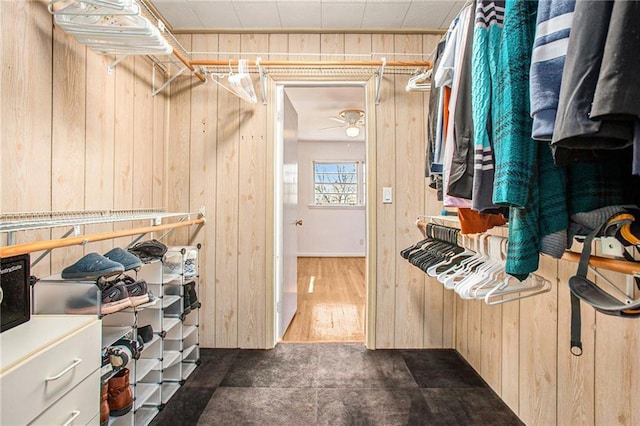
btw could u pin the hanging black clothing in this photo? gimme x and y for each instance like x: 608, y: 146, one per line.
x: 578, y: 135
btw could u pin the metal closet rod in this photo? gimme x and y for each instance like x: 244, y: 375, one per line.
x: 228, y: 62
x: 34, y: 246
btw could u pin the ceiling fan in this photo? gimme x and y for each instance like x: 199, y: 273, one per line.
x: 352, y: 120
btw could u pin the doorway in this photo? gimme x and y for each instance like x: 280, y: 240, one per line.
x: 345, y: 271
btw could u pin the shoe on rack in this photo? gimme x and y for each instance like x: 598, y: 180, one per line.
x: 92, y: 266
x: 145, y: 333
x: 149, y: 250
x: 119, y: 356
x: 136, y: 289
x: 128, y: 260
x: 190, y: 264
x: 106, y: 369
x: 190, y: 289
x: 104, y: 404
x: 186, y: 301
x: 120, y: 397
x: 114, y: 298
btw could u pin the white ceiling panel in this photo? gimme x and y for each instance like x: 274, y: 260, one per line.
x: 217, y: 14
x: 385, y: 15
x: 429, y: 14
x: 300, y: 14
x: 256, y: 14
x: 178, y: 14
x: 342, y: 15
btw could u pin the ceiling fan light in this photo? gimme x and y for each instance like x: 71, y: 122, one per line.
x: 353, y: 131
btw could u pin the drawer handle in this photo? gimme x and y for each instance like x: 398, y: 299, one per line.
x: 74, y: 414
x: 65, y: 371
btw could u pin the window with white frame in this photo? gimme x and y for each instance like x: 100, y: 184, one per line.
x: 338, y: 183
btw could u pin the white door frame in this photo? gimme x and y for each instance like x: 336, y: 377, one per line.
x: 369, y: 84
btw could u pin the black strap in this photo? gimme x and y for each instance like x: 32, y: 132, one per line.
x: 576, y: 319
x: 583, y: 267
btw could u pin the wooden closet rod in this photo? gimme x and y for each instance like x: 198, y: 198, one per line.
x: 228, y: 62
x: 622, y: 266
x: 191, y: 68
x: 34, y: 246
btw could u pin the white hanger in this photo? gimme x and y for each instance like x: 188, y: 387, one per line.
x: 418, y: 83
x: 533, y: 285
x: 241, y: 83
x: 485, y: 273
x: 451, y: 277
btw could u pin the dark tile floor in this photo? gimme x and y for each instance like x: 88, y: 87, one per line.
x: 334, y: 384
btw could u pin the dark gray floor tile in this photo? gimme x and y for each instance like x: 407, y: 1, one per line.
x: 263, y: 406
x: 286, y: 366
x: 187, y: 404
x: 354, y: 366
x: 441, y: 368
x: 372, y: 407
x: 468, y: 406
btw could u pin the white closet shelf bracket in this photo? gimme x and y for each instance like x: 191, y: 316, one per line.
x: 379, y: 74
x: 168, y: 82
x: 263, y: 81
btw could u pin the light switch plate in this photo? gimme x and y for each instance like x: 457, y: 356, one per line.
x: 387, y: 195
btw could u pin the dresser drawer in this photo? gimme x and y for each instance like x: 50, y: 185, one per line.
x: 78, y: 407
x: 35, y: 383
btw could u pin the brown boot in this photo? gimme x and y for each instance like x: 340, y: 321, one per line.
x: 120, y: 395
x: 104, y: 405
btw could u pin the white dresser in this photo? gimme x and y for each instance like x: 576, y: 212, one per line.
x: 50, y: 371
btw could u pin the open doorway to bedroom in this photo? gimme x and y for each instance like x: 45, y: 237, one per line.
x: 330, y: 212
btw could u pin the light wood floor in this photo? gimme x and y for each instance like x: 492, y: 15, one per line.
x: 331, y: 299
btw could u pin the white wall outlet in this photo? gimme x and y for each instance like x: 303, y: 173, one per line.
x: 387, y: 195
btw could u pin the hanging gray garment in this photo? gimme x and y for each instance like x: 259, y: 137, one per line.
x: 461, y: 173
x: 577, y: 136
x: 434, y: 122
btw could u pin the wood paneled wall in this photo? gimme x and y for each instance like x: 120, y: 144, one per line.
x: 74, y: 136
x: 227, y: 141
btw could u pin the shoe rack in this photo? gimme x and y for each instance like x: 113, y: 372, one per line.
x: 175, y: 280
x: 172, y: 354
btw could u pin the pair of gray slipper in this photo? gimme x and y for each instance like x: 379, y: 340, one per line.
x: 94, y: 265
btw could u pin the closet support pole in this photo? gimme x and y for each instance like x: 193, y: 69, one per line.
x: 276, y: 63
x: 622, y: 266
x: 188, y: 64
x: 84, y: 239
x: 46, y: 252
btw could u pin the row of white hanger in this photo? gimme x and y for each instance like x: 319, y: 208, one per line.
x: 110, y: 27
x: 240, y: 83
x: 480, y: 274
